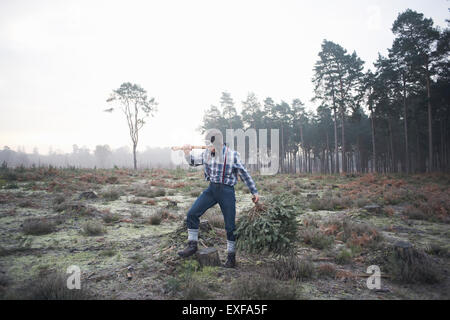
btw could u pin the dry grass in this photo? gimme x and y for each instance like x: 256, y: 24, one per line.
x: 167, y: 215
x: 109, y: 217
x: 49, y: 287
x: 344, y: 257
x: 413, y: 266
x: 37, y: 226
x: 261, y: 287
x: 316, y: 238
x: 93, y: 228
x: 430, y: 201
x: 149, y: 192
x: 352, y: 233
x: 111, y: 195
x: 326, y: 270
x: 75, y: 208
x: 330, y: 203
x: 215, y: 218
x: 292, y: 267
x: 151, y: 202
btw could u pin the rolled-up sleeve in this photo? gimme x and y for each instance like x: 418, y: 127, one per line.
x: 243, y: 173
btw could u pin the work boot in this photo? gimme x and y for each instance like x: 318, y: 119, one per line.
x: 231, y: 260
x: 190, y: 249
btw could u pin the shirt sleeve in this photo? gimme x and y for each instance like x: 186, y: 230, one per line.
x: 243, y: 173
x: 195, y: 160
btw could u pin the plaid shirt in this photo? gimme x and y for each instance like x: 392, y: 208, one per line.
x: 214, y: 168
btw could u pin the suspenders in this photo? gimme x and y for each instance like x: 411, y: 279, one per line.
x: 224, y: 164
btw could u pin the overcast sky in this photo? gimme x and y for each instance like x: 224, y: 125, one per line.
x: 60, y: 60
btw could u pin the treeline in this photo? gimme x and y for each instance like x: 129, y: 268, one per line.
x: 81, y: 157
x: 392, y: 119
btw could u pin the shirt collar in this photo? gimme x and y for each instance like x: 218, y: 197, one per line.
x: 223, y: 150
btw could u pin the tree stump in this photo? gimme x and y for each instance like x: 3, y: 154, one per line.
x: 312, y: 195
x: 404, y: 251
x: 208, y: 257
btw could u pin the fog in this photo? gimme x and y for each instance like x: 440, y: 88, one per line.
x: 82, y: 157
x: 60, y: 60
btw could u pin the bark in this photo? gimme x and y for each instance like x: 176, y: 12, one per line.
x: 336, y: 152
x: 391, y: 145
x: 328, y: 152
x: 405, y: 126
x: 430, y: 129
x: 374, y: 151
x: 134, y: 157
x: 344, y: 164
x: 301, y: 138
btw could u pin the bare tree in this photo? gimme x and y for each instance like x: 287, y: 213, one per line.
x: 133, y: 101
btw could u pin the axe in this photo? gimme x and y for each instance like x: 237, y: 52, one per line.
x: 192, y: 147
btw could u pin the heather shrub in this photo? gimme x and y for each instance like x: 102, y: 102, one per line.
x: 292, y: 267
x: 37, y: 226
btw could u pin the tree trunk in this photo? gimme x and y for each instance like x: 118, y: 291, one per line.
x: 430, y: 129
x: 344, y: 164
x: 134, y: 156
x: 391, y: 145
x: 374, y: 152
x: 419, y: 166
x: 282, y: 150
x: 336, y: 150
x: 406, y: 126
x: 441, y: 166
x: 322, y: 162
x: 295, y: 162
x: 301, y: 138
x: 328, y: 152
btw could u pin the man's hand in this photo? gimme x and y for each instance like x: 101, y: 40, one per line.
x: 187, y: 148
x: 255, y: 198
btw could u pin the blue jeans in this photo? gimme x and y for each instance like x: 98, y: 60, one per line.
x: 215, y: 193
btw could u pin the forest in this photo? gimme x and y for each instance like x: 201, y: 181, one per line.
x: 392, y: 117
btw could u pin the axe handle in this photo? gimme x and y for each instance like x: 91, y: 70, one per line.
x: 192, y: 147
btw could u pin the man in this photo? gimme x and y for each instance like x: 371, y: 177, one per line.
x: 221, y: 191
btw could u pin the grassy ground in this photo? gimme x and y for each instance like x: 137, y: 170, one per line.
x: 135, y: 226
